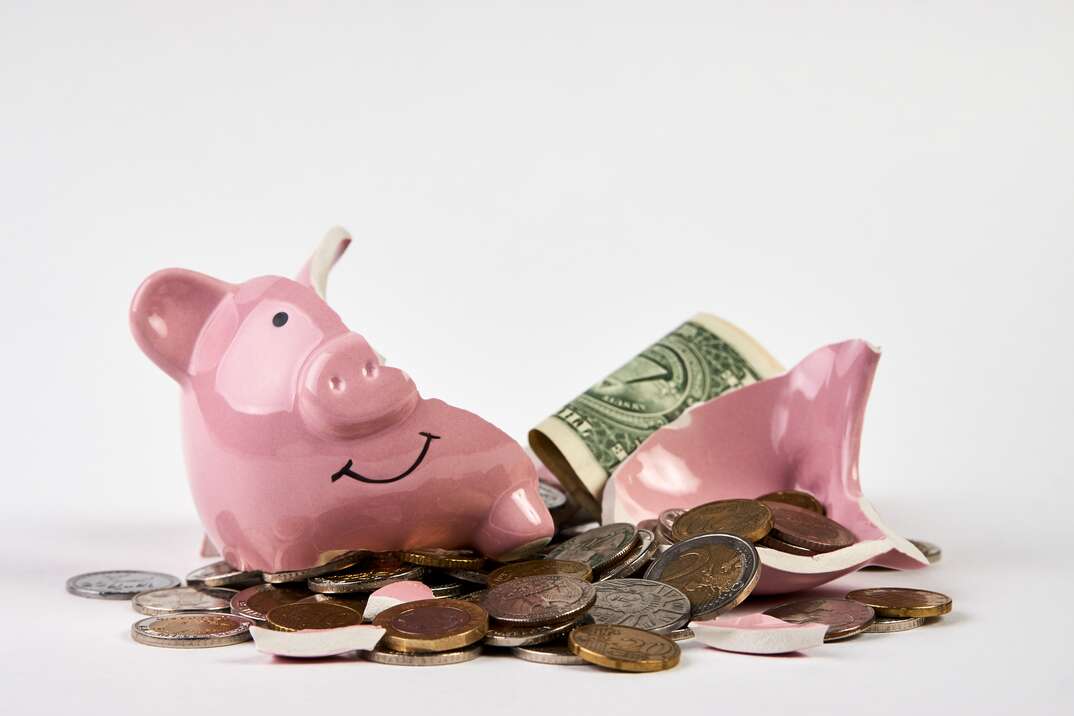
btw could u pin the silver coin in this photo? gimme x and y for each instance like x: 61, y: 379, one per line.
x: 681, y: 634
x: 932, y: 552
x: 556, y: 653
x: 509, y: 636
x: 300, y: 575
x: 397, y: 658
x: 553, y: 497
x: 881, y: 625
x: 666, y: 519
x: 469, y: 575
x: 598, y: 547
x: 182, y: 599
x: 191, y: 631
x: 255, y: 602
x: 644, y: 550
x: 365, y: 580
x: 691, y: 562
x: 118, y: 583
x: 221, y: 574
x: 640, y: 603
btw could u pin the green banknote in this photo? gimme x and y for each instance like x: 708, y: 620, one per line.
x: 701, y: 359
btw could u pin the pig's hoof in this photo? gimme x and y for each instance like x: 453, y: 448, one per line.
x: 523, y: 551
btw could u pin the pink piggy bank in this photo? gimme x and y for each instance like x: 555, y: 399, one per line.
x: 301, y: 443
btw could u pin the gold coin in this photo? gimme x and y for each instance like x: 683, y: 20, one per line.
x: 623, y: 648
x: 431, y: 625
x: 891, y: 602
x: 796, y: 498
x: 445, y: 558
x: 299, y: 616
x: 748, y: 519
x: 534, y: 567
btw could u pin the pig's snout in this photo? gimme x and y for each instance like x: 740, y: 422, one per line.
x: 346, y: 393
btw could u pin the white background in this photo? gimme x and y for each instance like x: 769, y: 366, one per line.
x: 537, y: 194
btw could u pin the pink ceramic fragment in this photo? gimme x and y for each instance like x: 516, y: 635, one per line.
x: 758, y: 634
x: 392, y: 594
x: 797, y: 431
x: 314, y: 643
x: 301, y: 442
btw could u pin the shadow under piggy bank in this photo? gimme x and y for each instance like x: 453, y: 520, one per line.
x: 797, y: 431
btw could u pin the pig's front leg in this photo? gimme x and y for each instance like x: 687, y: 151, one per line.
x: 517, y: 525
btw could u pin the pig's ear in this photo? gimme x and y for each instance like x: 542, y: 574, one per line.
x: 168, y: 312
x: 315, y: 273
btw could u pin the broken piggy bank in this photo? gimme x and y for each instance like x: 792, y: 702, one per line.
x: 301, y: 443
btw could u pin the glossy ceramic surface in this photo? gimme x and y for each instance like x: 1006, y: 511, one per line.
x: 797, y: 431
x: 300, y: 442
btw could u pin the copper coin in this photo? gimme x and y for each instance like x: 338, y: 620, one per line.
x: 432, y: 625
x: 748, y: 519
x: 796, y: 498
x: 255, y: 602
x: 843, y: 617
x: 598, y: 547
x: 891, y: 602
x: 537, y: 600
x: 535, y: 567
x: 780, y: 546
x: 803, y: 528
x: 715, y: 572
x: 312, y: 615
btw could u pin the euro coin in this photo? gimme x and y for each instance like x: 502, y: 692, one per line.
x: 931, y: 551
x: 255, y: 602
x: 535, y: 567
x: 182, y: 599
x: 444, y: 558
x: 716, y: 572
x: 623, y: 648
x: 807, y: 529
x: 843, y: 617
x: 511, y: 636
x: 301, y: 575
x: 300, y: 616
x: 432, y: 625
x: 191, y: 631
x: 221, y: 574
x: 748, y: 519
x: 797, y: 498
x: 538, y: 600
x: 780, y: 546
x: 889, y: 602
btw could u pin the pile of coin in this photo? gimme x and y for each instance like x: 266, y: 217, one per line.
x: 615, y: 596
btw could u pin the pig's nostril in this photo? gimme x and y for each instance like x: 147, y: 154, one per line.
x: 370, y: 369
x: 337, y: 384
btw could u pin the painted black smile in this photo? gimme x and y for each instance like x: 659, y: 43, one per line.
x: 346, y: 470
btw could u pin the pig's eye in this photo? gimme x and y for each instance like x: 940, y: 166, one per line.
x: 279, y: 319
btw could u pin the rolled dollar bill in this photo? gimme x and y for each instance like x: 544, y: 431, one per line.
x: 703, y: 358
